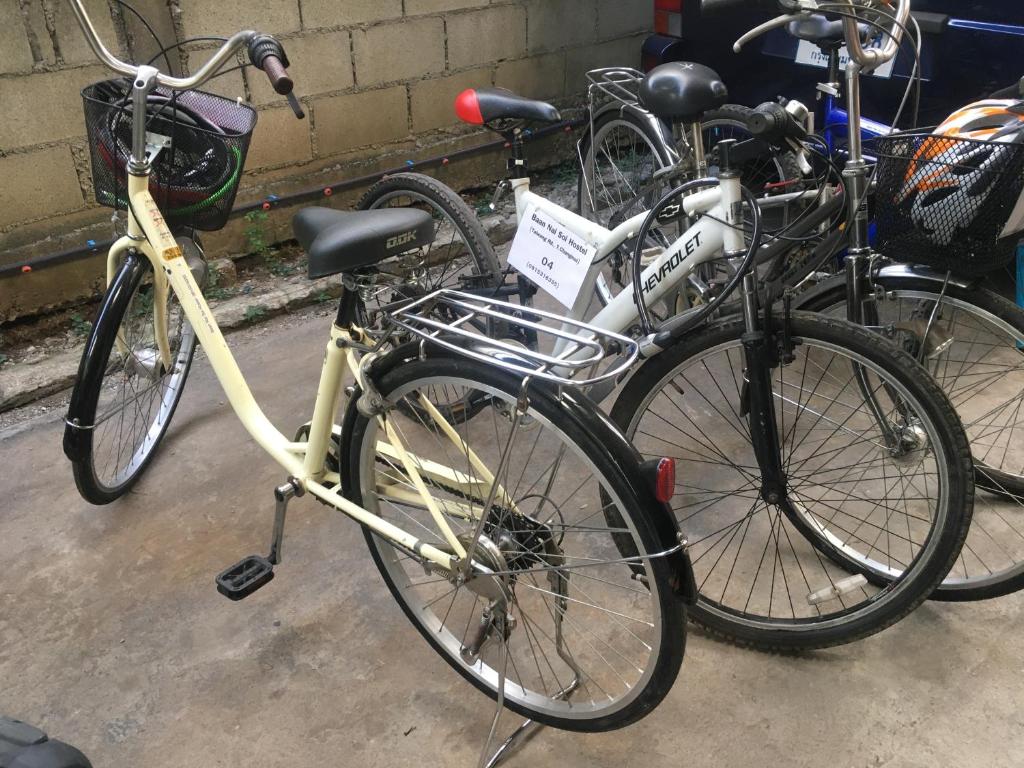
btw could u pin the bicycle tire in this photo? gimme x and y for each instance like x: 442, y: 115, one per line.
x: 448, y: 208
x: 592, y: 440
x: 660, y: 155
x: 423, y: 189
x: 732, y: 116
x: 992, y: 564
x: 926, y: 568
x: 81, y: 441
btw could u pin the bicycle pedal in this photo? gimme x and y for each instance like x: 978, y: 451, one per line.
x: 245, y: 577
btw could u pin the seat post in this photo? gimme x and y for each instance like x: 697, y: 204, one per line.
x: 517, y: 163
x: 348, y: 306
x: 697, y: 145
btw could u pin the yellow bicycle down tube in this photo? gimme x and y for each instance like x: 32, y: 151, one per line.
x: 168, y: 258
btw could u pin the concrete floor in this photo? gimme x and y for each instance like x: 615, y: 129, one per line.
x: 113, y: 637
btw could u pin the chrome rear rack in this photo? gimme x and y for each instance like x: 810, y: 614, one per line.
x: 614, y: 84
x: 459, y: 322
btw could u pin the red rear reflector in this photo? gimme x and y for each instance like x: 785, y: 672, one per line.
x: 665, y: 480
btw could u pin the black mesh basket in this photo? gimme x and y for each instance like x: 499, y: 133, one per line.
x: 944, y: 201
x: 196, y: 174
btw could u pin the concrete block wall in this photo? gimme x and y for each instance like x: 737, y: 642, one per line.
x: 377, y: 78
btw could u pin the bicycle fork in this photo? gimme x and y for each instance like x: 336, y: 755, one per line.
x: 760, y: 359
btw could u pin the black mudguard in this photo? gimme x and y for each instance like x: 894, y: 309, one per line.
x: 77, y: 440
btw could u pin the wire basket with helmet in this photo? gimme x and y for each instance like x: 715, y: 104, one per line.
x: 952, y: 198
x: 197, y: 143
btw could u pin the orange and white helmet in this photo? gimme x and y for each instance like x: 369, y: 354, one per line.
x: 948, y: 181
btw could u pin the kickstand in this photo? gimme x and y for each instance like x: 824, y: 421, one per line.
x: 528, y: 728
x: 521, y: 734
x: 519, y: 737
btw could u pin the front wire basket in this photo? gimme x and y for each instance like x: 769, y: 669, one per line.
x: 200, y: 141
x: 945, y: 201
x: 581, y: 347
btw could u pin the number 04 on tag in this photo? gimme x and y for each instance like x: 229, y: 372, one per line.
x: 556, y: 259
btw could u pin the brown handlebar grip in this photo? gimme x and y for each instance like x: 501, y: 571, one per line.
x: 277, y: 75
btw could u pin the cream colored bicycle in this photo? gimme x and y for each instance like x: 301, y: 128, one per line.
x: 513, y: 523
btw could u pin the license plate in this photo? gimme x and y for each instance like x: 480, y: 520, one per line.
x: 809, y: 53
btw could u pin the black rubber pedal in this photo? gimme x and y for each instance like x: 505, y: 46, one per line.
x: 245, y: 577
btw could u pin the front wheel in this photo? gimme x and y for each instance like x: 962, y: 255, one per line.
x: 125, y: 393
x: 793, y: 573
x: 584, y: 641
x: 972, y: 342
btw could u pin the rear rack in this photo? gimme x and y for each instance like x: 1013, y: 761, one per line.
x: 577, y: 347
x: 620, y: 84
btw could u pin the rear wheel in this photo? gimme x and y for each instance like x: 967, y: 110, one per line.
x: 595, y: 643
x: 975, y: 352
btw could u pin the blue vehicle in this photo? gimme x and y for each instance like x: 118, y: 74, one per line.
x: 987, y: 36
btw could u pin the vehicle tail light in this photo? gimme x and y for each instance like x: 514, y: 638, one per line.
x: 668, y: 17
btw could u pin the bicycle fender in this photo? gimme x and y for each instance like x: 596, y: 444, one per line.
x: 618, y: 450
x: 76, y: 436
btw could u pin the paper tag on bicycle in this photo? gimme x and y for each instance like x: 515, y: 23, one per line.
x: 808, y: 53
x: 551, y: 256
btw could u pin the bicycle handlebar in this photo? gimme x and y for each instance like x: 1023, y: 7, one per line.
x: 867, y: 58
x: 265, y: 52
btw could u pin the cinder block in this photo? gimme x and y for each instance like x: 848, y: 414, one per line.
x: 491, y: 34
x: 616, y: 18
x: 15, y: 52
x: 229, y: 85
x: 279, y: 138
x: 320, y: 63
x: 344, y: 13
x: 411, y: 48
x: 360, y: 119
x: 433, y: 101
x: 225, y: 17
x: 624, y: 52
x: 555, y: 24
x: 413, y: 7
x: 37, y: 184
x: 45, y: 106
x: 71, y: 41
x: 143, y: 47
x: 538, y: 77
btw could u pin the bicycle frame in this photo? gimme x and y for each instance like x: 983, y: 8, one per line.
x: 720, y: 231
x: 304, y: 462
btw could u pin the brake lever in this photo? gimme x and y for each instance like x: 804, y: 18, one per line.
x: 801, y: 156
x: 296, y: 105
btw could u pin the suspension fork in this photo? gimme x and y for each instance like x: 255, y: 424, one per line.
x: 760, y: 359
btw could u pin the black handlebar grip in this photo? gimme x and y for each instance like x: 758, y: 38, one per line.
x: 768, y: 120
x: 277, y: 75
x: 268, y: 54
